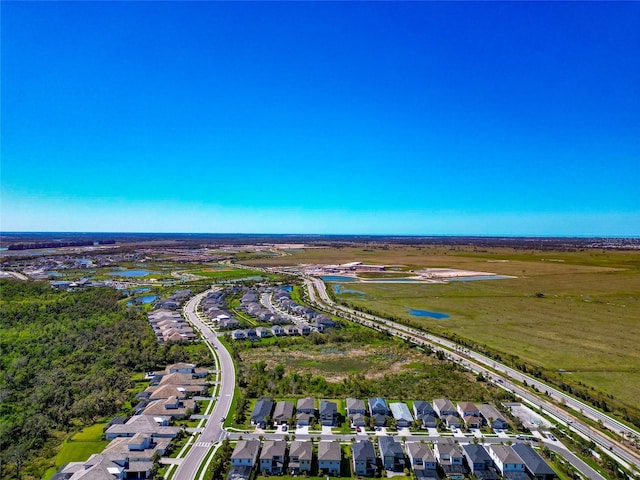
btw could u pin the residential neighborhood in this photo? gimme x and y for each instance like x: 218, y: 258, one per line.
x: 135, y: 443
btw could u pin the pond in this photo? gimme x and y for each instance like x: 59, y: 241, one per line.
x: 143, y: 300
x: 427, y: 313
x: 338, y: 278
x: 131, y: 273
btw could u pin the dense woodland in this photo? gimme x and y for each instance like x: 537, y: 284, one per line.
x: 68, y: 359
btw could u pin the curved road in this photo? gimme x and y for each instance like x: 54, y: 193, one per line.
x: 213, y: 431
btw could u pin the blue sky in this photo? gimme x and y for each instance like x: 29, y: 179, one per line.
x: 318, y: 117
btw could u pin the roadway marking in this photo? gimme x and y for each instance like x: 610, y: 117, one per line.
x: 203, y: 444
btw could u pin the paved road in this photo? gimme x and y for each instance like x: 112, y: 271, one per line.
x: 213, y: 431
x: 474, y: 362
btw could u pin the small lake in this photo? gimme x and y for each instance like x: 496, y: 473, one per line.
x: 427, y: 313
x: 131, y: 273
x: 143, y: 300
x: 287, y: 288
x: 338, y: 278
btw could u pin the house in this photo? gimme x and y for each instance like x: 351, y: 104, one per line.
x: 189, y: 368
x: 401, y: 413
x: 377, y: 406
x: 277, y: 331
x: 355, y: 405
x: 304, y: 329
x: 508, y: 461
x: 364, y: 458
x: 166, y: 391
x: 358, y: 420
x: 261, y: 411
x: 422, y: 460
x: 300, y: 457
x: 109, y: 467
x: 291, y: 330
x: 328, y: 413
x: 443, y: 406
x: 421, y: 408
x: 228, y: 323
x: 238, y: 335
x: 478, y: 461
x: 304, y: 419
x: 450, y: 458
x: 391, y: 454
x: 157, y: 427
x: 272, y: 457
x: 493, y: 417
x: 283, y: 413
x: 173, y: 407
x: 245, y: 453
x: 329, y: 458
x: 263, y: 332
x: 306, y: 405
x: 428, y: 421
x: 472, y: 422
x: 139, y: 448
x: 534, y: 464
x: 251, y: 334
x: 451, y: 421
x: 467, y: 409
x: 379, y: 420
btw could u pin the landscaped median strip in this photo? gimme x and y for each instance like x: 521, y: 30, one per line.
x: 179, y: 457
x: 204, y: 466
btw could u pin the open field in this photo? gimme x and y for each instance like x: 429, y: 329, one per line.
x: 573, y: 311
x: 353, y: 361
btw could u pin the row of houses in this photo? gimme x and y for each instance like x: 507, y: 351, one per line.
x: 426, y: 413
x: 171, y: 391
x: 170, y: 326
x: 212, y: 306
x: 282, y: 298
x: 257, y: 333
x: 175, y: 301
x: 136, y: 441
x: 283, y: 412
x: 446, y: 459
x: 250, y: 303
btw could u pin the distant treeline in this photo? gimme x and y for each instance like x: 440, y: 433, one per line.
x: 195, y: 240
x: 72, y: 243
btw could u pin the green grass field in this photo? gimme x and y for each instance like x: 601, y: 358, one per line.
x: 587, y: 322
x: 90, y: 434
x: 227, y: 273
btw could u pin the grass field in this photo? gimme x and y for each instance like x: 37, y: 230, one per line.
x: 577, y: 312
x: 90, y: 434
x: 227, y: 273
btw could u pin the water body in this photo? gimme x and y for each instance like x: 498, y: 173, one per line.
x: 143, y: 300
x: 338, y: 278
x: 427, y: 313
x: 287, y: 288
x: 131, y: 273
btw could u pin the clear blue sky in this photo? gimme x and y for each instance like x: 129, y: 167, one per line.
x: 376, y: 118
